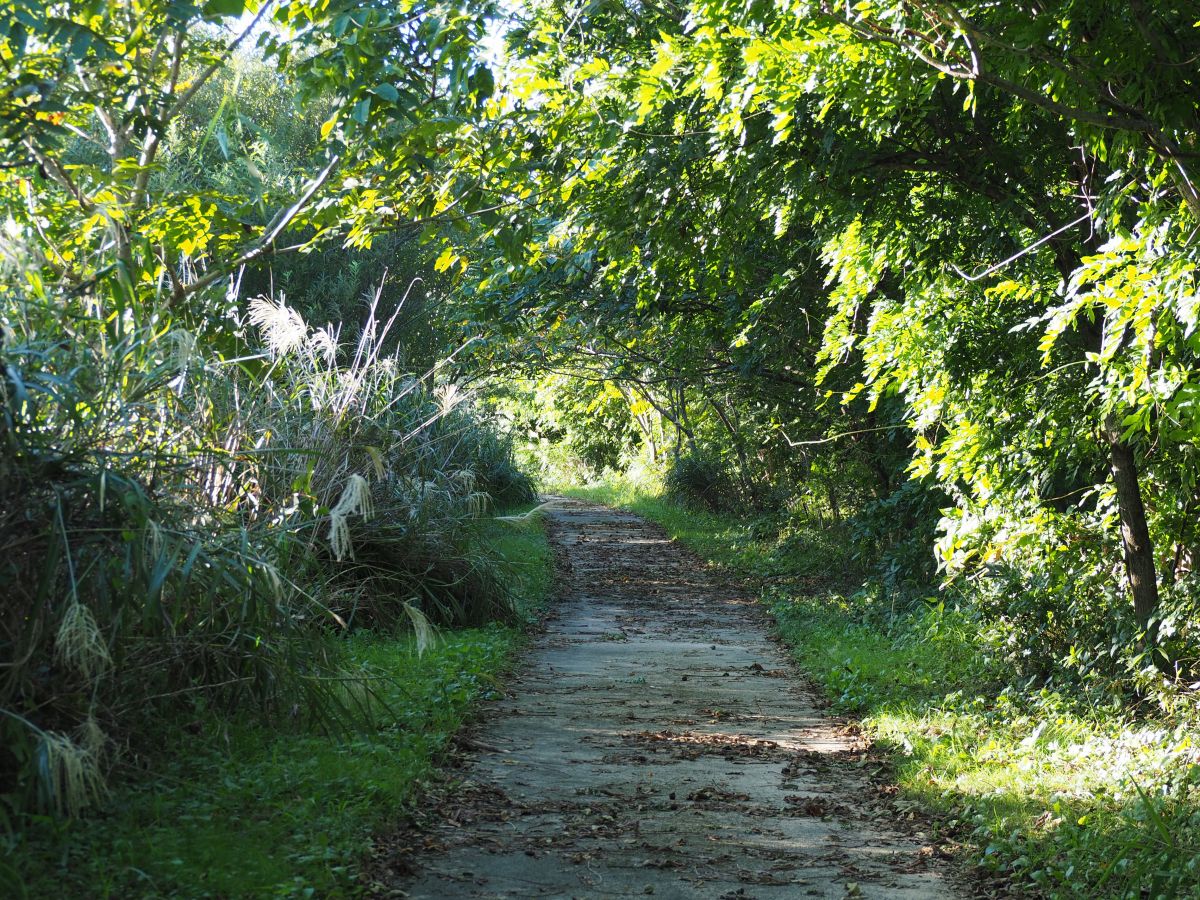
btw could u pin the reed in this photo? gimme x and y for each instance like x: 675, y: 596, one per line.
x: 190, y: 517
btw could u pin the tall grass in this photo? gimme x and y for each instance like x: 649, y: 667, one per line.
x: 188, y: 516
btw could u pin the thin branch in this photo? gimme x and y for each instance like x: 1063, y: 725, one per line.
x: 116, y: 137
x: 1019, y: 253
x: 270, y: 232
x: 868, y: 31
x: 839, y: 436
x: 150, y: 148
x: 55, y: 171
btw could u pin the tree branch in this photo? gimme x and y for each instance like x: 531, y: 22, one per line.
x: 272, y: 230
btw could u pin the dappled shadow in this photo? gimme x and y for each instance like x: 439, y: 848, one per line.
x: 658, y: 741
x: 1052, y: 799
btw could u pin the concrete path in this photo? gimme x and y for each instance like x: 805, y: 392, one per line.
x: 659, y: 743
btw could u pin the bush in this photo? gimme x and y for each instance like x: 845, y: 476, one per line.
x: 496, y: 469
x: 699, y: 481
x: 894, y: 536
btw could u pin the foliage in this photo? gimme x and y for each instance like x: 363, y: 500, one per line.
x: 933, y: 261
x: 700, y: 482
x: 247, y: 132
x: 182, y: 528
x: 569, y: 428
x: 192, y: 507
x: 196, y: 826
x: 921, y: 273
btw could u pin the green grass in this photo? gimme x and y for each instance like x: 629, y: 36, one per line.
x: 1051, y: 792
x: 245, y: 809
x: 1046, y: 791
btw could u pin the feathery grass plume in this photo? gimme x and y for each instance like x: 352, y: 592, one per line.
x: 477, y: 503
x: 92, y: 738
x: 423, y: 489
x: 153, y: 544
x: 273, y: 579
x: 526, y: 519
x: 79, y: 644
x: 448, y: 396
x: 70, y: 774
x: 183, y: 348
x: 355, y: 500
x: 463, y: 480
x: 322, y: 343
x: 423, y: 629
x: 377, y: 462
x: 283, y: 328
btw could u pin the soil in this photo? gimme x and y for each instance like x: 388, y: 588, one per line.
x: 658, y: 743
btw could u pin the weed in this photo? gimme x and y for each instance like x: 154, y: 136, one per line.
x: 189, y: 518
x: 238, y: 807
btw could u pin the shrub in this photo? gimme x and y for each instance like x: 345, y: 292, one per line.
x: 699, y: 481
x: 496, y: 469
x: 179, y: 528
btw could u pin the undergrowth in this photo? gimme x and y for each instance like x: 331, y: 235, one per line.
x: 238, y: 807
x: 188, y: 516
x: 1061, y: 789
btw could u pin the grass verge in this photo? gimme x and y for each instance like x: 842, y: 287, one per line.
x: 1051, y: 792
x: 242, y: 809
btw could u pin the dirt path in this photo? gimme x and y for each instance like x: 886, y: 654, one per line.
x: 659, y: 743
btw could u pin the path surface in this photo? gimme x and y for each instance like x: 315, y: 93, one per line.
x: 659, y: 743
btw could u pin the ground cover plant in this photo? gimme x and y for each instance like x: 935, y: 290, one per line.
x: 1055, y: 789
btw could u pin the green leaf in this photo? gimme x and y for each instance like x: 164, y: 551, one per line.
x: 386, y: 92
x: 482, y: 83
x: 227, y: 8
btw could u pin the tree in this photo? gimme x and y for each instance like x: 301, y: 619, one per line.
x: 990, y: 208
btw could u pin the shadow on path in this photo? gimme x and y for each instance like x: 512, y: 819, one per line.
x: 660, y: 744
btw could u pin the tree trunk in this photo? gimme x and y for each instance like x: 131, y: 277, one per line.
x: 744, y: 476
x: 645, y: 422
x: 875, y: 458
x: 682, y: 431
x: 1140, y: 572
x: 1135, y: 534
x: 685, y: 421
